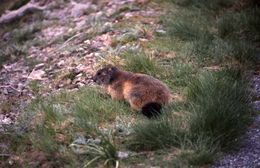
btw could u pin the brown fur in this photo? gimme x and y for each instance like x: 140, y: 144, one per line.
x: 137, y: 89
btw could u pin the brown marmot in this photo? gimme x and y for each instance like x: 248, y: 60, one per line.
x: 143, y: 92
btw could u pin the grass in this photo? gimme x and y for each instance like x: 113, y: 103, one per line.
x: 127, y: 37
x: 25, y: 33
x: 162, y: 133
x: 193, y: 131
x: 16, y: 47
x: 11, y: 52
x: 44, y: 138
x: 182, y: 73
x: 55, y: 121
x: 219, y: 107
x: 217, y: 113
x: 187, y: 30
x: 140, y: 62
x: 209, y: 6
x: 217, y: 102
x: 215, y: 40
x: 106, y: 151
x: 93, y: 108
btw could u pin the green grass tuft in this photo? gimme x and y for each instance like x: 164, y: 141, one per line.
x: 105, y: 151
x: 201, y: 151
x: 141, y: 63
x: 230, y: 37
x: 189, y: 25
x: 217, y: 113
x: 219, y: 107
x: 11, y: 52
x: 92, y: 108
x: 155, y: 134
x: 44, y: 140
x: 25, y: 33
x: 206, y: 5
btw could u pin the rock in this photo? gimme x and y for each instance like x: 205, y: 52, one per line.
x: 94, y: 141
x: 128, y: 37
x: 123, y: 126
x: 80, y: 84
x: 79, y: 9
x: 5, y: 91
x: 160, y: 32
x: 107, y: 27
x: 122, y: 155
x: 5, y: 120
x: 80, y: 24
x: 36, y: 75
x: 79, y: 145
x: 256, y: 105
x: 61, y: 63
x: 80, y: 139
x: 6, y: 36
x: 39, y: 66
x: 16, y: 14
x: 79, y: 75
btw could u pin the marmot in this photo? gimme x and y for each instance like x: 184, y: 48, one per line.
x: 143, y: 92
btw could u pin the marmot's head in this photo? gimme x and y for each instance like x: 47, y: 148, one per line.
x: 105, y: 75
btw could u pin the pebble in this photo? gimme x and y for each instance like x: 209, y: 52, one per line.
x: 248, y: 155
x: 122, y: 155
x: 39, y: 66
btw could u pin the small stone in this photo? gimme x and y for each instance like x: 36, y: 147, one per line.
x: 36, y: 75
x: 11, y: 162
x: 107, y: 27
x: 94, y: 141
x: 80, y: 84
x: 162, y: 32
x: 5, y: 91
x: 39, y: 66
x: 80, y: 9
x: 122, y: 155
x: 61, y: 63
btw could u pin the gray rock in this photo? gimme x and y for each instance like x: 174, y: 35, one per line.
x: 79, y: 9
x: 160, y: 32
x: 122, y: 155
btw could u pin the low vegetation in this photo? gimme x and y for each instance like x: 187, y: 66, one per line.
x: 207, y: 47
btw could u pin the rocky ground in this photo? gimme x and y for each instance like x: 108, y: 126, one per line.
x: 248, y: 154
x: 72, y: 35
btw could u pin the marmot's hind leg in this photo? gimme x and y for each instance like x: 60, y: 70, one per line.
x: 135, y: 103
x: 136, y: 98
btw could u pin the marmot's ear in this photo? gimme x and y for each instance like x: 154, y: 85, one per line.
x: 114, y: 68
x: 108, y: 66
x: 111, y: 68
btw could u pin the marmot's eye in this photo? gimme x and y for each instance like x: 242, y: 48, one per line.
x: 98, y: 73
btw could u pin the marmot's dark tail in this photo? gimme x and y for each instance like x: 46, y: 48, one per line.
x: 152, y: 109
